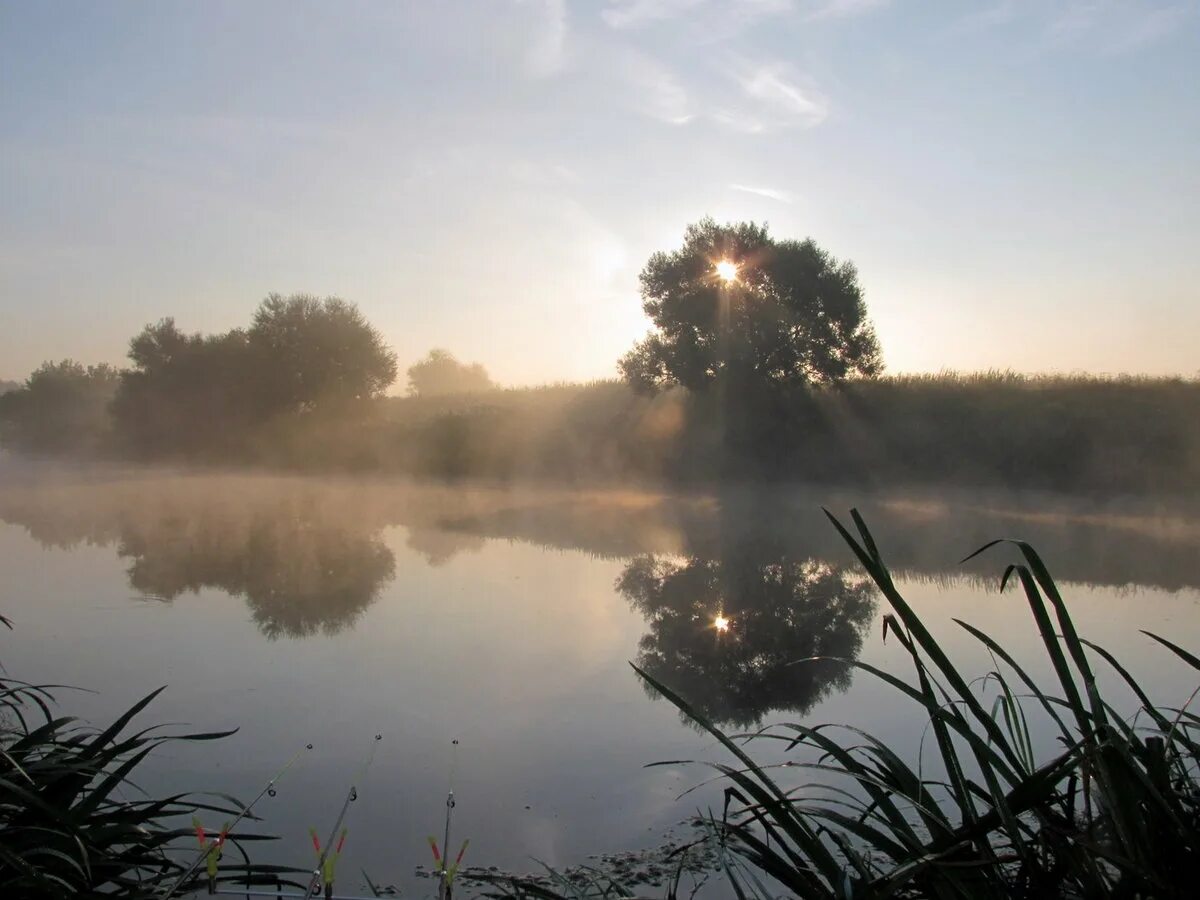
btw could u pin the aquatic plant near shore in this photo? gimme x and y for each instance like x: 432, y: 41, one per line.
x: 67, y: 827
x: 1115, y: 811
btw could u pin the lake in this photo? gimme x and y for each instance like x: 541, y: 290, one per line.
x: 327, y: 610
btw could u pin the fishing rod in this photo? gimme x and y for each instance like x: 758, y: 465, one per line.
x: 207, y: 850
x: 450, y: 801
x: 351, y: 796
x: 447, y: 870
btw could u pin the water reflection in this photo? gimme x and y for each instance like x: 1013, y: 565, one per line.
x: 440, y: 597
x: 439, y: 545
x: 304, y: 565
x: 299, y: 574
x: 308, y: 555
x: 727, y: 633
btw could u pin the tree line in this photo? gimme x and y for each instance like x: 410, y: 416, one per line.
x: 214, y: 396
x: 760, y: 364
x: 783, y: 314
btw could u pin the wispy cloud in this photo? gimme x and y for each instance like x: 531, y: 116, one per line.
x: 844, y: 9
x: 1117, y: 27
x: 738, y: 121
x: 757, y: 8
x: 656, y: 90
x: 1075, y: 18
x: 721, y: 15
x: 1101, y: 26
x: 997, y: 14
x: 635, y: 13
x: 1154, y: 25
x: 757, y: 98
x: 780, y: 91
x: 547, y: 51
x: 770, y: 193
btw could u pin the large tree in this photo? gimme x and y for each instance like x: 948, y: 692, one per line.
x: 319, y: 350
x: 734, y: 303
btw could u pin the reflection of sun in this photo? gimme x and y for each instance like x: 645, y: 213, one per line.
x: 727, y: 271
x: 721, y: 623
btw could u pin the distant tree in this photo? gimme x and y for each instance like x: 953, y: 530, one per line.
x: 61, y: 409
x: 440, y: 373
x: 196, y: 395
x: 186, y: 393
x: 7, y: 387
x: 317, y: 350
x: 734, y: 302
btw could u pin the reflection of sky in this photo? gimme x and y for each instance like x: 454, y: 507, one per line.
x: 519, y: 653
x: 983, y: 163
x: 517, y: 648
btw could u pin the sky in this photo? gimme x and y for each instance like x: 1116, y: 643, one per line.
x: 1018, y: 181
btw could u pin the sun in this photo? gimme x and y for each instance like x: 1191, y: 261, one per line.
x: 727, y: 271
x: 721, y: 623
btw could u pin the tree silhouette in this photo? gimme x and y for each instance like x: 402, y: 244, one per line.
x: 316, y: 350
x: 728, y: 634
x: 735, y: 304
x: 300, y: 355
x: 62, y: 408
x: 440, y: 373
x: 180, y: 385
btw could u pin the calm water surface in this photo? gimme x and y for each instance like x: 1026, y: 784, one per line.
x: 325, y: 611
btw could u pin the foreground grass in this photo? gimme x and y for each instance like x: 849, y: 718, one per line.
x: 1114, y: 812
x: 72, y: 823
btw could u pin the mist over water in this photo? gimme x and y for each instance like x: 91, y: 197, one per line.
x: 328, y: 609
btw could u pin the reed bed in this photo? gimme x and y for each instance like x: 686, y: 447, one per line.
x: 1112, y: 811
x: 72, y: 823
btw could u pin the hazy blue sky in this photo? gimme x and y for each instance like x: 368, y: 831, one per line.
x: 1018, y: 182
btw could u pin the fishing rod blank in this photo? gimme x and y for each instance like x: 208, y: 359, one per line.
x: 351, y: 796
x: 269, y: 790
x: 444, y: 885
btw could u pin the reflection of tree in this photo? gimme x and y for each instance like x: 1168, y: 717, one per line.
x: 440, y: 545
x: 778, y: 611
x: 298, y: 574
x: 306, y: 558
